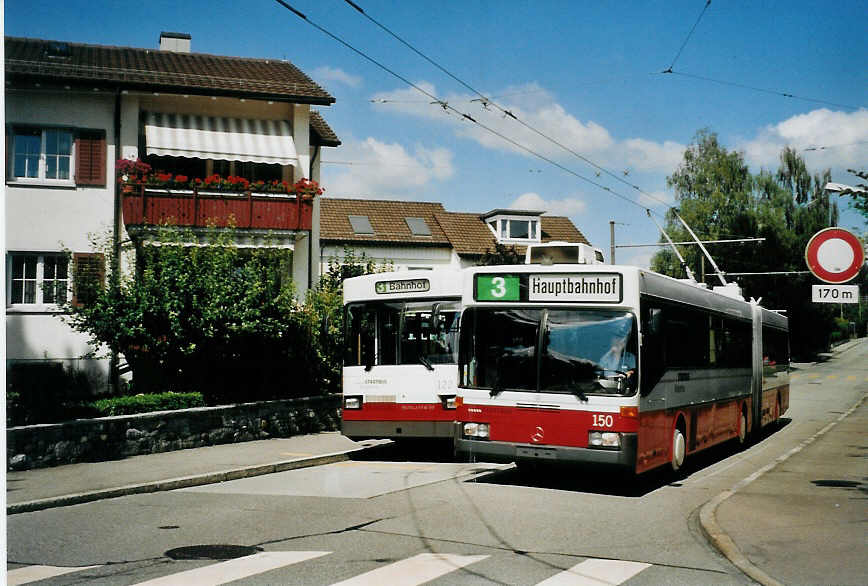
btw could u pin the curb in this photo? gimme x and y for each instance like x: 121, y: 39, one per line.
x: 708, y: 512
x: 180, y: 482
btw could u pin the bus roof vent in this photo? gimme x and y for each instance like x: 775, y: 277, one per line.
x: 558, y: 252
x: 730, y: 290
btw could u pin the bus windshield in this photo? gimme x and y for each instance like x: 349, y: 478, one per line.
x: 580, y: 351
x: 398, y: 332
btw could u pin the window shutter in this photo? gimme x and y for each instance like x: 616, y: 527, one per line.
x: 88, y: 272
x: 90, y: 163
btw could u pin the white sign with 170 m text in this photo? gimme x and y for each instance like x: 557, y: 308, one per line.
x: 835, y: 293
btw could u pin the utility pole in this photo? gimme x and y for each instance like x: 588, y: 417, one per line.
x: 612, y: 241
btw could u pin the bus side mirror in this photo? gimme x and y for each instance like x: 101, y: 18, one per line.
x: 435, y: 318
x: 655, y: 321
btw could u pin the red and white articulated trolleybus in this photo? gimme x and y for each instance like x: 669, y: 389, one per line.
x: 401, y: 349
x: 611, y: 365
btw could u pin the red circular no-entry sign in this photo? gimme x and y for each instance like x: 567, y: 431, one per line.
x: 834, y: 255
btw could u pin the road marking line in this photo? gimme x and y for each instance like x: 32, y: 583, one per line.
x: 236, y: 569
x: 34, y: 573
x: 832, y: 376
x: 412, y: 571
x: 594, y: 572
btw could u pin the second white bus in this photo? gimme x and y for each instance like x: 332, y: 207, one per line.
x: 401, y: 349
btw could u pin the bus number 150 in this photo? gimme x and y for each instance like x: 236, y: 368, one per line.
x: 603, y: 420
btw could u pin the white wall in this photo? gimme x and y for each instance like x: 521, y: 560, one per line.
x: 402, y: 258
x: 53, y: 219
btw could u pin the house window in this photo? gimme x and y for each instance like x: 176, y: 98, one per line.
x: 38, y: 279
x: 56, y: 156
x: 42, y: 153
x: 515, y: 229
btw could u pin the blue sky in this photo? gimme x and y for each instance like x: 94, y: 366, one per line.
x: 586, y: 74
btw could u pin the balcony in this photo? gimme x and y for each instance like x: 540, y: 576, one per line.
x: 199, y: 208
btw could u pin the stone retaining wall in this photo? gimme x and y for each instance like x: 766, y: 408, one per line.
x: 109, y: 438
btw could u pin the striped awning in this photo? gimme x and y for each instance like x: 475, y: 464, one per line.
x: 228, y: 139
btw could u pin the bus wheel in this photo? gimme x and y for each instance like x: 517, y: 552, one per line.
x: 679, y: 448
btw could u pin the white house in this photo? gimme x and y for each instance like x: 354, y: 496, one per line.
x: 73, y: 110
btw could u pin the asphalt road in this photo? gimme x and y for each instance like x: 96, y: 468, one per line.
x: 388, y: 520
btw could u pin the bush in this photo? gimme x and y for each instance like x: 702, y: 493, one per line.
x: 216, y: 319
x: 146, y: 403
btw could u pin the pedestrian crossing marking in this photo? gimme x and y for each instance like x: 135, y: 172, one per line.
x: 415, y: 570
x: 594, y: 572
x: 236, y: 569
x: 34, y: 573
x: 412, y: 571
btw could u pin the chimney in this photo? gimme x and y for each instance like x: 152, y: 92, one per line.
x: 175, y: 42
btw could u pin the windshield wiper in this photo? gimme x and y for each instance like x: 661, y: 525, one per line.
x: 496, y: 390
x: 425, y: 362
x: 578, y: 392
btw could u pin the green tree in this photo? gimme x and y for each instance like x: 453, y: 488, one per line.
x: 720, y: 199
x: 860, y: 198
x: 215, y: 318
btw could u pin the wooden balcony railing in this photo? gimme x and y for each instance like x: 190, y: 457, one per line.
x: 144, y: 206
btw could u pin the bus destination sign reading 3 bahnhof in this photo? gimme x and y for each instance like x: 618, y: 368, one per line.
x: 550, y: 287
x: 402, y: 286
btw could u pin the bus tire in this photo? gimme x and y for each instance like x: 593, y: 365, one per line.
x: 679, y: 447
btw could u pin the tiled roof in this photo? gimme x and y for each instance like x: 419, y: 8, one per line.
x: 321, y: 132
x: 156, y: 70
x: 387, y: 219
x: 561, y: 228
x: 466, y: 233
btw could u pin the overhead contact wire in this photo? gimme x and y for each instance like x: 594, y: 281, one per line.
x: 488, y: 101
x: 445, y: 105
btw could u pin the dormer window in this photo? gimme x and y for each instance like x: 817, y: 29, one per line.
x: 514, y: 226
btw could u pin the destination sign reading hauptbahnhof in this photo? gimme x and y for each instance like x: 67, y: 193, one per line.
x: 550, y: 287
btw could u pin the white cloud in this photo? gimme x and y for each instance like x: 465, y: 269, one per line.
x: 336, y: 75
x: 843, y: 134
x: 647, y: 155
x: 556, y: 207
x: 540, y: 118
x: 380, y: 170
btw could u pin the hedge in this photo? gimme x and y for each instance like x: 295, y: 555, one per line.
x: 147, y: 403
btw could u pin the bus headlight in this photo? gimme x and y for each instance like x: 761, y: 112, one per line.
x: 477, y: 430
x: 604, y: 439
x: 352, y: 402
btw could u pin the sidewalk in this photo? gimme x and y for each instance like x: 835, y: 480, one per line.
x: 42, y: 488
x: 802, y: 519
